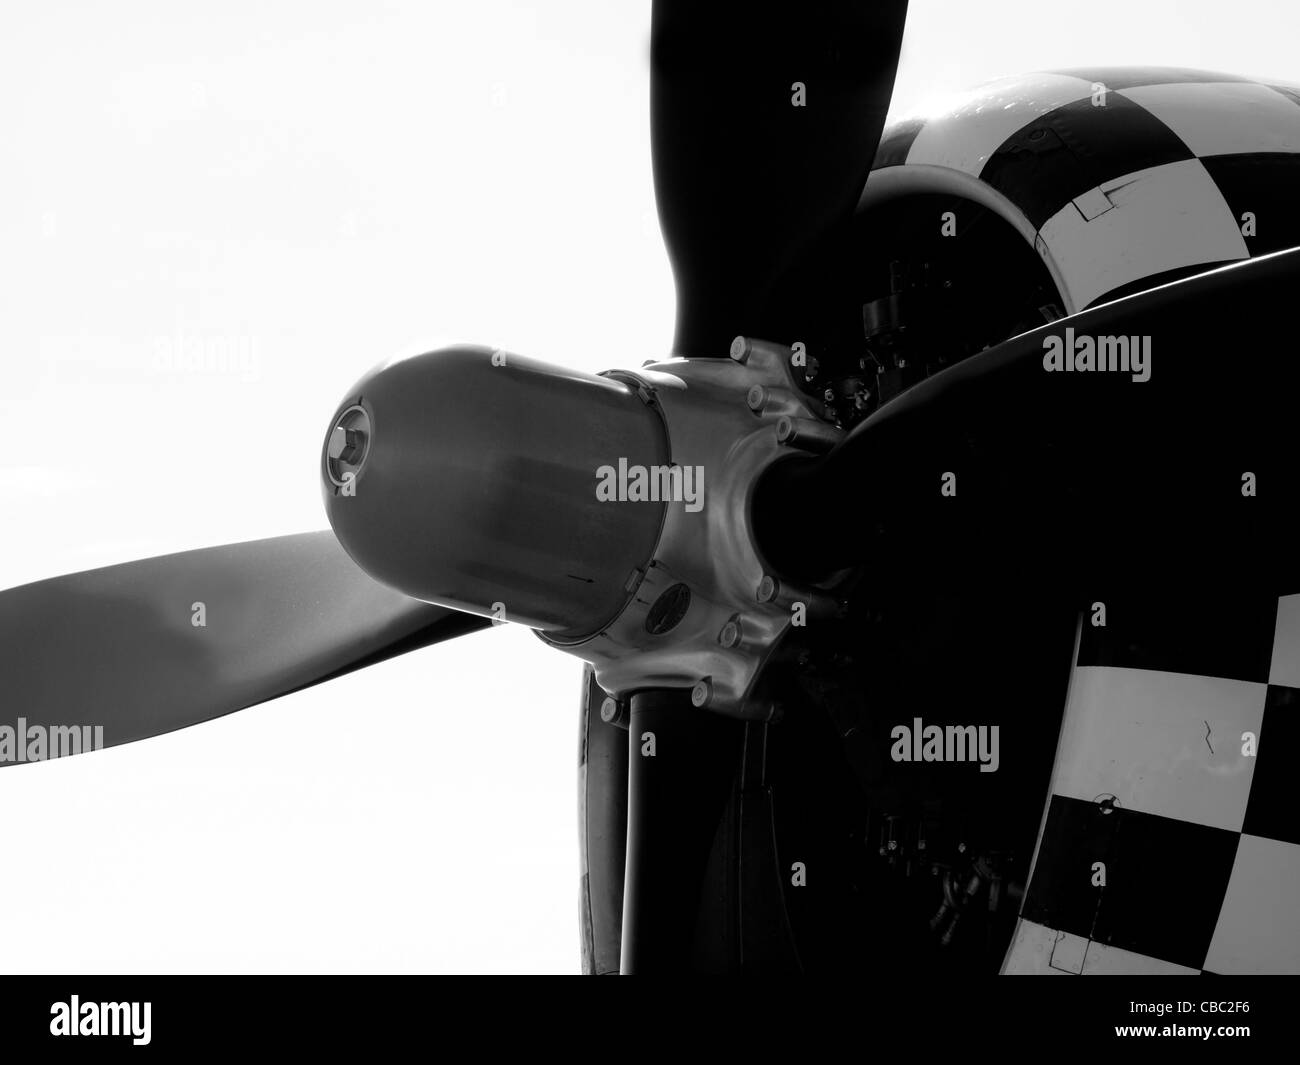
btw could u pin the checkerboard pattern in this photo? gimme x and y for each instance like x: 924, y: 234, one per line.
x: 1149, y: 187
x: 1200, y: 839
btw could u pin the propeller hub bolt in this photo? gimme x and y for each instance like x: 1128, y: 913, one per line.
x: 756, y: 397
x: 702, y: 693
x: 767, y: 589
x: 730, y: 634
x: 810, y: 434
x: 609, y: 710
x: 348, y: 444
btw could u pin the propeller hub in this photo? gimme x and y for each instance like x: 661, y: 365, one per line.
x: 707, y: 614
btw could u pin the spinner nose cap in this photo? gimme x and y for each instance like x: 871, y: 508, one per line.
x: 468, y: 477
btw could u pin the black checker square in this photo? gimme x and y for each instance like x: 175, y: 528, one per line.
x: 1165, y: 884
x: 1273, y: 810
x: 1165, y: 880
x: 1263, y: 183
x: 1224, y: 634
x: 1061, y: 894
x: 1066, y: 152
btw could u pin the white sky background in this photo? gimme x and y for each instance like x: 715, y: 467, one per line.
x: 318, y: 186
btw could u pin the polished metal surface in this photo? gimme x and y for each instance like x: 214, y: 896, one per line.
x: 477, y: 489
x: 718, y: 645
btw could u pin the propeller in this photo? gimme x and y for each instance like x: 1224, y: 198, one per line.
x: 148, y: 647
x: 764, y: 120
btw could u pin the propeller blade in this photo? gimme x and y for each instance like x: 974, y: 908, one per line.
x: 765, y: 119
x: 1182, y: 468
x: 147, y: 647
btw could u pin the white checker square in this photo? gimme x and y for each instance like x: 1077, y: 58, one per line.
x: 1101, y: 960
x: 1224, y: 118
x: 1164, y: 218
x: 1140, y: 735
x: 1259, y: 923
x: 1037, y: 950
